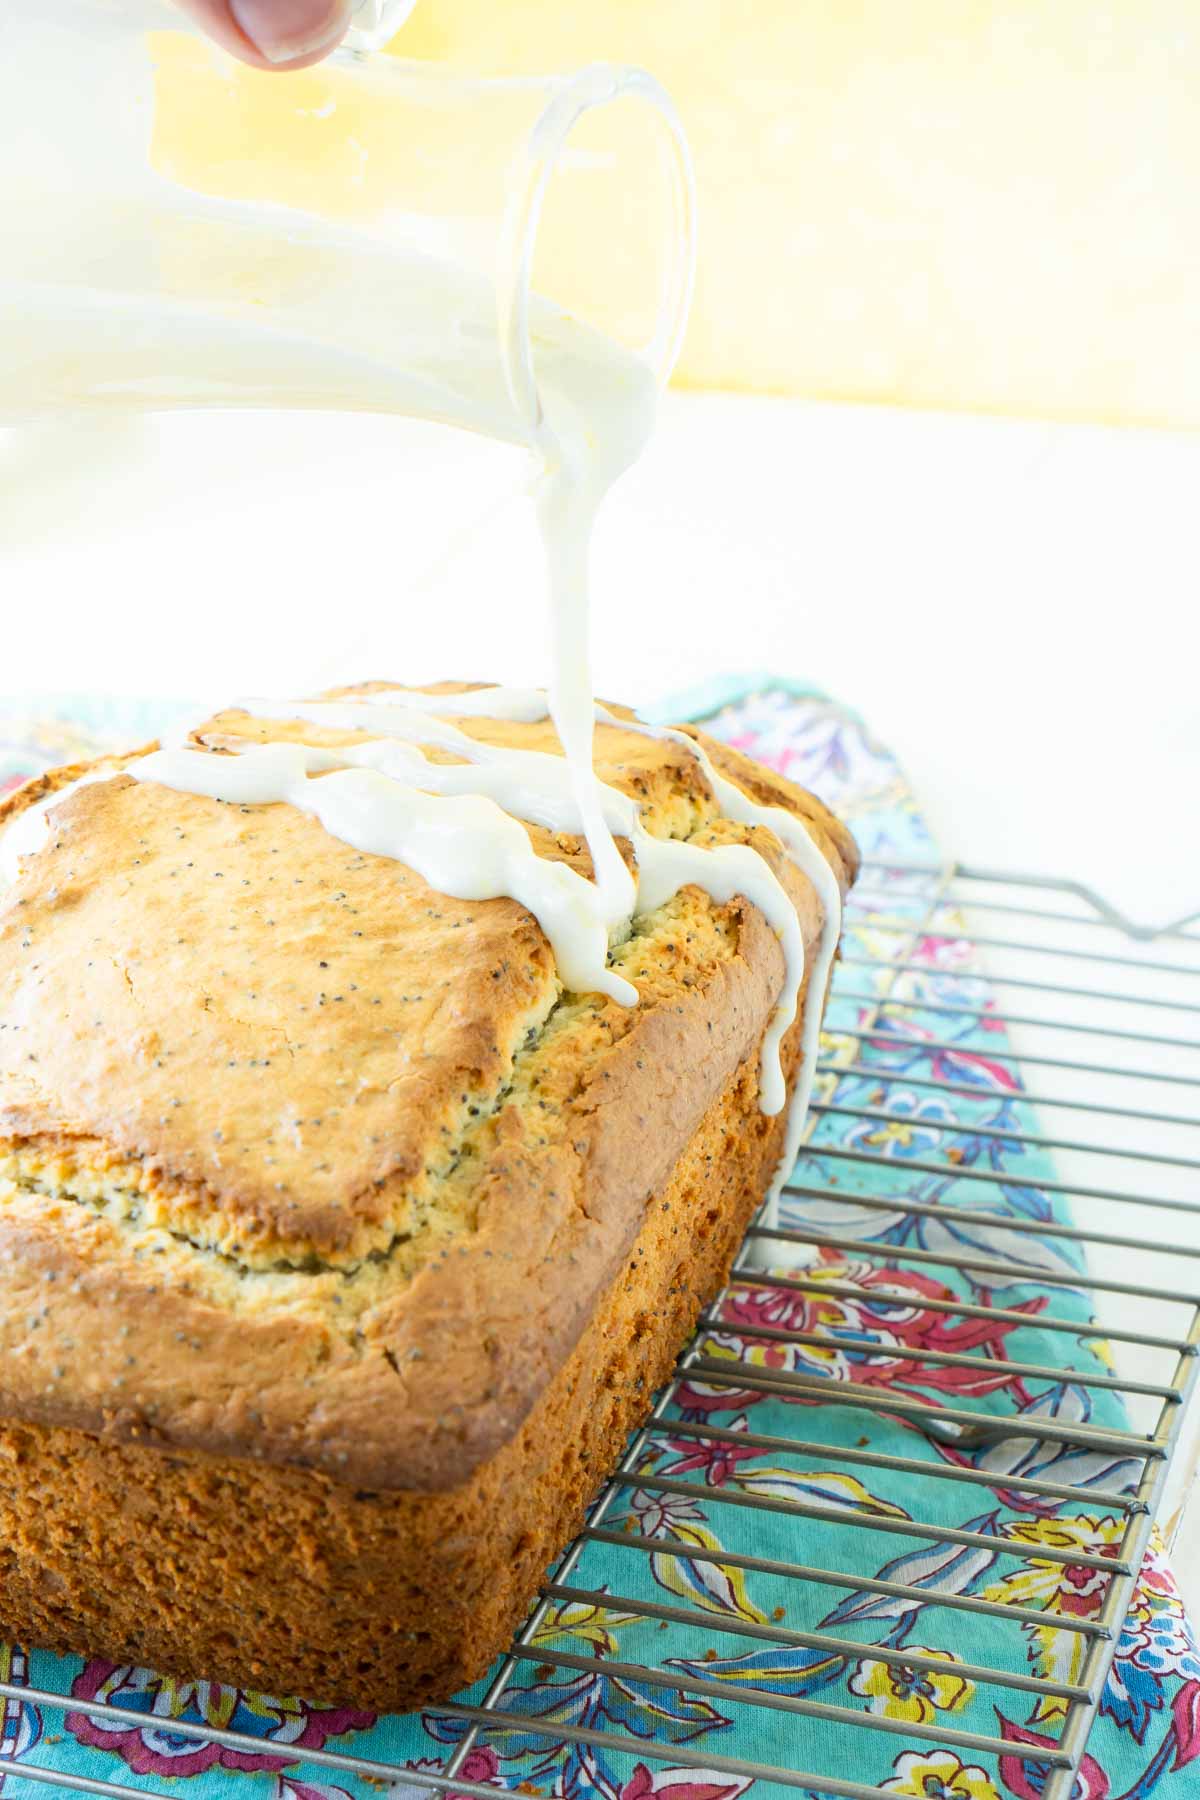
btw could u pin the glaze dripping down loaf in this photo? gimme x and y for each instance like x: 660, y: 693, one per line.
x: 329, y: 1217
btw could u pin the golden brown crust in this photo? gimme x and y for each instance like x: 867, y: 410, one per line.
x: 322, y: 1180
x: 298, y: 1584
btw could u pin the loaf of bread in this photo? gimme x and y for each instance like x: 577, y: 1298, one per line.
x: 340, y: 1246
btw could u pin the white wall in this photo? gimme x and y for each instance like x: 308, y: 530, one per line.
x: 1013, y: 605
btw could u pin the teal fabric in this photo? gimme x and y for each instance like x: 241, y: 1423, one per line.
x: 847, y: 1515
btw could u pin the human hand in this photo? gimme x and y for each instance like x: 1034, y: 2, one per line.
x: 274, y: 34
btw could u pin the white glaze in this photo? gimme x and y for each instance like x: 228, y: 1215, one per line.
x: 767, y: 1252
x: 538, y: 787
x: 654, y: 859
x: 521, y: 706
x: 457, y: 825
x: 529, y: 705
x: 461, y: 844
x: 567, y: 507
x: 535, y: 786
x: 795, y: 838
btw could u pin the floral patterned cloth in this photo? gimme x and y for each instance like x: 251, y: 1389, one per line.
x: 1147, y: 1740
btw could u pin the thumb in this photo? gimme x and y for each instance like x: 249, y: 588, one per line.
x: 274, y: 34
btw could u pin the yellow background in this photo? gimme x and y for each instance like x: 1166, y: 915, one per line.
x: 970, y: 203
x: 982, y: 204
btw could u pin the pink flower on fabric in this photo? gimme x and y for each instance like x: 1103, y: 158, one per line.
x: 480, y: 1764
x: 1186, y: 1716
x: 682, y: 1784
x: 1027, y: 1779
x: 978, y: 1071
x: 287, y: 1727
x: 892, y: 1314
x: 949, y: 953
x: 718, y: 1461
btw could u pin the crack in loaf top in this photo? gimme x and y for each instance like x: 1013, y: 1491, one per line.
x: 287, y: 1084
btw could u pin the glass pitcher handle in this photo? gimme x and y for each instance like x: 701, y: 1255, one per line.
x: 375, y: 21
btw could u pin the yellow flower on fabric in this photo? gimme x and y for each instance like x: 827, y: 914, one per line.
x: 939, y: 1775
x: 1070, y: 1588
x: 896, y: 1131
x: 595, y: 1625
x: 899, y: 1691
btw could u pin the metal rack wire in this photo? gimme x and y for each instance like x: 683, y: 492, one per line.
x: 1103, y: 1016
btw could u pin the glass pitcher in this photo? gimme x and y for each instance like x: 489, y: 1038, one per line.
x: 369, y: 234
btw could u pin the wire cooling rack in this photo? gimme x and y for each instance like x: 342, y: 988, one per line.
x: 1096, y: 1021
